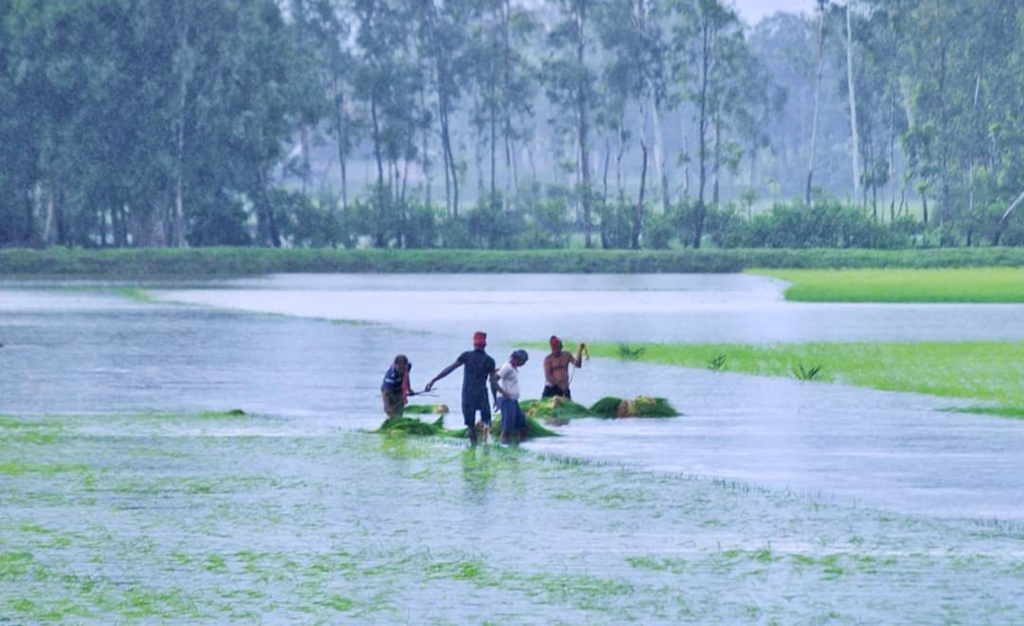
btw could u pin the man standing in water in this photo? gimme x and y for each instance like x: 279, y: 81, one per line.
x: 556, y: 370
x: 513, y: 421
x: 479, y: 369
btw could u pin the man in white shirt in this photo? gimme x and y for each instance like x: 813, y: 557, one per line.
x: 513, y: 421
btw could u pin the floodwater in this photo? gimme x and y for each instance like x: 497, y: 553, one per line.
x: 770, y: 500
x: 89, y: 352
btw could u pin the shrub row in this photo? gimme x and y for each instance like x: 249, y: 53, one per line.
x: 204, y: 262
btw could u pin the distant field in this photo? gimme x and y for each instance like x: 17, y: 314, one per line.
x: 987, y: 371
x: 206, y: 262
x: 977, y: 284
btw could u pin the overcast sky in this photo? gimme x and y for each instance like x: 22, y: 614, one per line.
x: 753, y: 10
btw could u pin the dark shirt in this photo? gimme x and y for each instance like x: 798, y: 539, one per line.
x: 392, y: 381
x: 478, y: 369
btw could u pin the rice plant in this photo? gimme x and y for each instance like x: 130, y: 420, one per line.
x: 717, y: 364
x: 806, y: 373
x: 629, y: 353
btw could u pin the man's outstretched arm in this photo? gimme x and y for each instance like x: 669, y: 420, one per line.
x: 448, y: 370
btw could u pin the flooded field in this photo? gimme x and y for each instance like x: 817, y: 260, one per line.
x: 259, y: 519
x: 771, y: 500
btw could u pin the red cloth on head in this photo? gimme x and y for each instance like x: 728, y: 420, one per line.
x: 556, y: 343
x: 479, y: 339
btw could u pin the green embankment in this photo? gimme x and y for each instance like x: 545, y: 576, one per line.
x: 975, y: 284
x: 204, y: 262
x: 985, y: 371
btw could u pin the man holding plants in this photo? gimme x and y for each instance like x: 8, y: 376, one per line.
x: 556, y: 369
x: 396, y: 386
x: 479, y: 369
x: 513, y: 421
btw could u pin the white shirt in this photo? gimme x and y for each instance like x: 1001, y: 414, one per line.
x: 508, y: 378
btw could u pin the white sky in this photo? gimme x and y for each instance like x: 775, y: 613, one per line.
x: 753, y: 10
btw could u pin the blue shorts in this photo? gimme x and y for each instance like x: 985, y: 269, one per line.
x: 471, y: 405
x: 512, y: 416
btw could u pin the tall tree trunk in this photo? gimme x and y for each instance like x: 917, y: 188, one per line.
x: 716, y: 164
x: 854, y: 152
x: 1005, y: 219
x: 582, y: 121
x: 619, y: 182
x: 341, y: 131
x: 29, y: 234
x: 817, y: 104
x: 376, y: 141
x: 604, y: 178
x: 638, y: 208
x: 702, y: 131
x: 510, y: 161
x: 271, y: 228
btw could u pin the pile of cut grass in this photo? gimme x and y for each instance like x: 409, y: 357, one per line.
x: 975, y: 284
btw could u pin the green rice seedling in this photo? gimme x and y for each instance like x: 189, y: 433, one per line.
x: 425, y: 409
x: 717, y: 364
x: 607, y: 406
x: 806, y: 373
x: 628, y: 352
x: 534, y: 429
x: 554, y: 408
x: 641, y: 406
x: 411, y: 426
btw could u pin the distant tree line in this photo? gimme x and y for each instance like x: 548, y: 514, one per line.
x: 510, y: 123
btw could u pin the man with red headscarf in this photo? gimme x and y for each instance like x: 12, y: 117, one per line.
x: 556, y: 370
x: 479, y: 369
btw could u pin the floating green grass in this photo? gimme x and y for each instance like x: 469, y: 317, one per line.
x: 974, y: 284
x: 990, y: 371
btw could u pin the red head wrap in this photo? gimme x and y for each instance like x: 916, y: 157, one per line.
x: 556, y: 343
x: 479, y: 339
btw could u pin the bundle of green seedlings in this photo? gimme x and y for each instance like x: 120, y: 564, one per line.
x: 405, y: 425
x: 561, y: 410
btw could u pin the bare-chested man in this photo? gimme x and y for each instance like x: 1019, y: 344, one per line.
x: 556, y: 370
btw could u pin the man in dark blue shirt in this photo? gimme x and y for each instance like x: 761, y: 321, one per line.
x: 394, y: 388
x: 479, y: 369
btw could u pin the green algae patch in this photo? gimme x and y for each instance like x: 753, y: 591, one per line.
x: 975, y: 284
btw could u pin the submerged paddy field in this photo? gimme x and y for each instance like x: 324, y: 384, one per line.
x: 988, y: 371
x: 976, y: 284
x: 216, y: 518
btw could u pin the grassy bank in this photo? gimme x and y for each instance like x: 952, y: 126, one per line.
x: 975, y: 284
x: 987, y: 371
x: 203, y: 262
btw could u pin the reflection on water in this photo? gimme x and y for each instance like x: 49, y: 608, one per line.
x: 77, y: 352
